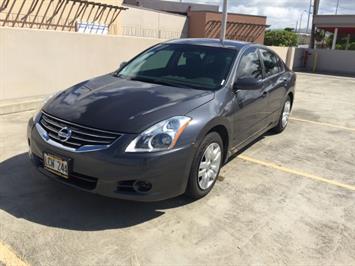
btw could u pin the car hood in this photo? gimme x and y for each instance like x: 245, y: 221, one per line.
x: 121, y: 105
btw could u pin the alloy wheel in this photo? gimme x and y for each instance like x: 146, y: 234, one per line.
x: 286, y: 113
x: 209, y: 166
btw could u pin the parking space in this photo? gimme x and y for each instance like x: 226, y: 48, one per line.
x: 286, y: 199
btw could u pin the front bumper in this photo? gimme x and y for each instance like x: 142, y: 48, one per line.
x: 112, y: 172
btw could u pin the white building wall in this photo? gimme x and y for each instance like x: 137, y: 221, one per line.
x: 152, y: 24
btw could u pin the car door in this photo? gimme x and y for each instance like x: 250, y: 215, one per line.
x: 275, y: 82
x: 249, y: 116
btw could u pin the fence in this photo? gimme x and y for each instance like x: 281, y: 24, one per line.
x: 248, y: 32
x: 56, y: 14
x: 139, y: 31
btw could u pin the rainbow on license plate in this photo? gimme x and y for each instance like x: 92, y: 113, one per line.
x: 56, y: 165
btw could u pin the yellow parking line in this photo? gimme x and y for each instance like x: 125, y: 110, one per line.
x: 296, y: 172
x: 322, y: 124
x: 9, y: 258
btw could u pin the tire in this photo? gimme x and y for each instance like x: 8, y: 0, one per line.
x: 284, y: 117
x: 206, y: 166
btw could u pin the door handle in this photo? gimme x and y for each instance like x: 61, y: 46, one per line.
x: 284, y: 80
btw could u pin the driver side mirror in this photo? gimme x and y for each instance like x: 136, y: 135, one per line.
x: 123, y: 64
x: 247, y: 84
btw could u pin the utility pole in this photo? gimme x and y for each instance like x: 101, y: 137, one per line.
x: 337, y: 8
x: 309, y: 14
x: 224, y: 20
x: 301, y: 17
x: 315, y: 13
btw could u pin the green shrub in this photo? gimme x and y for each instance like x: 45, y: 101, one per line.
x: 339, y: 46
x: 352, y: 46
x: 281, y: 38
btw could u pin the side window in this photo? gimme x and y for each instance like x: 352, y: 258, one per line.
x: 250, y: 65
x: 272, y: 63
x: 281, y: 64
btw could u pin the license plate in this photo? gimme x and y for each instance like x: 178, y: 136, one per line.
x: 56, y: 165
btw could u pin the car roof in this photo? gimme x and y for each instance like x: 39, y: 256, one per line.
x: 212, y: 42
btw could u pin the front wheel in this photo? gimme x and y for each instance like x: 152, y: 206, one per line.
x: 283, y: 120
x: 206, y: 166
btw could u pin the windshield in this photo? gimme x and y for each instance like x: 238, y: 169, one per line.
x: 182, y: 65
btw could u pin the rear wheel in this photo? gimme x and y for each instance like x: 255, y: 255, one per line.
x: 283, y: 120
x: 206, y: 166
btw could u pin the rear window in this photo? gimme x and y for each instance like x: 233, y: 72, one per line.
x: 272, y: 63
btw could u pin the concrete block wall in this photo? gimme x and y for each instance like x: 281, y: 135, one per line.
x: 36, y: 62
x: 285, y: 53
x: 331, y: 61
x: 328, y: 61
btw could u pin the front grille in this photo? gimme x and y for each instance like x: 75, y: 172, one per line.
x: 81, y: 135
x: 82, y: 181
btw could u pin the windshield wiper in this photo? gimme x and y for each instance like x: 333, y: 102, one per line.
x: 159, y: 81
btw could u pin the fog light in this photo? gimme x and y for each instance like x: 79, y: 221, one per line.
x: 142, y: 186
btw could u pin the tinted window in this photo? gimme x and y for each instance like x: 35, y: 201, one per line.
x: 250, y: 65
x: 195, y: 66
x: 189, y: 55
x: 271, y: 63
x: 157, y: 61
x: 281, y: 64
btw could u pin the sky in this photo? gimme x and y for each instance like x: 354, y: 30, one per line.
x: 283, y: 13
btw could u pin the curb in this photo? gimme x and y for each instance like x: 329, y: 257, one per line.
x: 20, y: 105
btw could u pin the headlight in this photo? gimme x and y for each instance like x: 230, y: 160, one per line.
x: 162, y: 136
x: 37, y: 114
